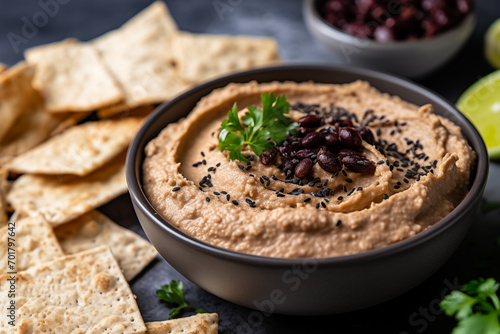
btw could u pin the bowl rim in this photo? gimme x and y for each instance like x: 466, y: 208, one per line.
x: 309, y: 9
x: 141, y: 202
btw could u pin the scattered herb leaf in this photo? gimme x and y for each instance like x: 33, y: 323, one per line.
x: 488, y: 206
x: 173, y: 293
x: 476, y: 307
x: 261, y: 129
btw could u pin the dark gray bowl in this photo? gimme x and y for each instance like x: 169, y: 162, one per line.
x: 307, y: 286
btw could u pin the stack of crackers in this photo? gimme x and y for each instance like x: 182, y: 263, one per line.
x: 69, y: 112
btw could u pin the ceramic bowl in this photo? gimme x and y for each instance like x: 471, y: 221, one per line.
x: 411, y: 59
x: 307, y: 286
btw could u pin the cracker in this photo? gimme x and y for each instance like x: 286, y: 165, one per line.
x: 72, y: 77
x: 202, y: 323
x: 132, y: 252
x: 138, y: 54
x: 34, y: 242
x: 80, y: 293
x: 122, y: 110
x: 4, y: 185
x: 61, y: 199
x: 201, y: 57
x: 16, y: 94
x: 79, y: 150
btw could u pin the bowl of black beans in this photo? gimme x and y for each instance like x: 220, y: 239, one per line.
x: 403, y: 37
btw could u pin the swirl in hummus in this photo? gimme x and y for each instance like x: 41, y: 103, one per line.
x: 422, y: 165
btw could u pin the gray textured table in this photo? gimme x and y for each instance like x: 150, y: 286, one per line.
x: 414, y: 312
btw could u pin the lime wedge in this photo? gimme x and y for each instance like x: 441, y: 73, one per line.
x: 481, y: 104
x: 492, y: 44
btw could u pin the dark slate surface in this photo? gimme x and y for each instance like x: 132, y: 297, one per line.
x: 414, y: 312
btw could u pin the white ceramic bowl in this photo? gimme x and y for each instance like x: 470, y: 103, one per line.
x: 412, y: 59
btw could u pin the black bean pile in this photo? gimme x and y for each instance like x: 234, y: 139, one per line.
x: 394, y: 20
x: 330, y: 142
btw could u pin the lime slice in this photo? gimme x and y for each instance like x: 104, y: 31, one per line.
x: 492, y: 44
x: 481, y: 104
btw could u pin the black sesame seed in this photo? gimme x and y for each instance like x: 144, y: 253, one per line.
x: 235, y: 202
x: 323, y: 204
x: 317, y: 205
x: 204, y: 161
x: 350, y: 192
x: 349, y: 180
x: 307, y: 199
x: 223, y: 192
x: 380, y: 162
x: 280, y: 195
x: 202, y: 154
x: 211, y: 169
x: 176, y: 188
x: 207, y: 199
x: 228, y: 197
x: 386, y: 196
x: 360, y: 189
x: 218, y: 164
x: 344, y: 172
x: 247, y: 168
x: 340, y: 198
x: 241, y: 167
x: 338, y: 222
x: 397, y: 187
x: 216, y: 193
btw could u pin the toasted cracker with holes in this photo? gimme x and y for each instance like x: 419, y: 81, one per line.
x: 81, y: 293
x: 16, y: 95
x: 72, y: 77
x: 138, y: 54
x: 60, y: 199
x: 201, y: 57
x: 34, y: 242
x: 79, y: 150
x: 132, y: 252
x: 202, y: 323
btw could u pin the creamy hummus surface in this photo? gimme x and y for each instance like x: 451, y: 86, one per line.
x: 422, y: 168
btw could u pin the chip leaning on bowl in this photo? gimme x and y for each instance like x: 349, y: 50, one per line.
x: 362, y: 171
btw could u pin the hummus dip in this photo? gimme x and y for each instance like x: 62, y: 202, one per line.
x: 420, y: 161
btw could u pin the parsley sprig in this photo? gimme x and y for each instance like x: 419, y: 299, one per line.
x: 476, y: 307
x: 261, y: 128
x: 173, y: 293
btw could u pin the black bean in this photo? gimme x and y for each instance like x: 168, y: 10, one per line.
x: 313, y: 139
x: 310, y: 121
x: 329, y: 162
x: 303, y: 168
x: 350, y: 137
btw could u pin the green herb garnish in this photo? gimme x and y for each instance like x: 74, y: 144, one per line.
x: 261, y: 128
x: 488, y: 206
x: 173, y: 293
x: 476, y: 307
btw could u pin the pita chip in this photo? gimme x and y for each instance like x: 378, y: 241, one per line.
x: 80, y: 293
x: 34, y: 243
x: 222, y: 54
x: 3, y: 197
x: 72, y: 77
x: 61, y: 199
x: 16, y: 93
x: 138, y: 54
x: 201, y: 323
x: 80, y: 149
x: 132, y: 252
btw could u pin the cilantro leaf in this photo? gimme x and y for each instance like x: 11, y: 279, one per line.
x: 261, y: 129
x: 478, y: 324
x: 173, y: 293
x: 476, y: 306
x: 489, y: 206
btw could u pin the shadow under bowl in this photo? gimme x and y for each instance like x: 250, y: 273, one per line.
x: 307, y: 286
